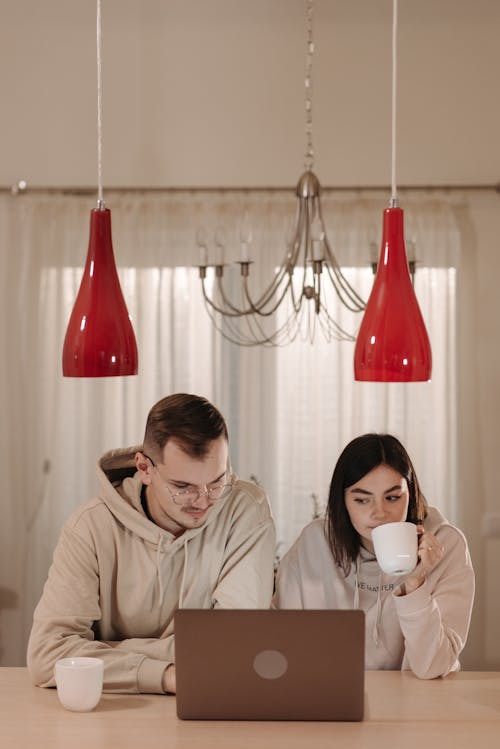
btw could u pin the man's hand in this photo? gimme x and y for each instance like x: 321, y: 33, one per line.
x: 168, y: 682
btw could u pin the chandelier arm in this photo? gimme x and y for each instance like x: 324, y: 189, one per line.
x: 300, y: 223
x: 258, y: 308
x: 290, y: 328
x: 298, y: 304
x: 269, y: 293
x: 232, y: 309
x: 287, y: 331
x: 349, y: 292
x: 341, y: 333
x: 344, y: 298
x: 254, y: 307
x: 235, y: 337
x: 343, y: 292
x: 288, y: 262
x: 279, y: 337
x: 325, y: 328
x: 215, y: 306
x: 267, y: 339
x: 331, y: 329
x: 359, y: 305
x: 229, y: 310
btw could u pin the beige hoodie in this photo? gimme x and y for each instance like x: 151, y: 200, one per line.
x: 424, y: 631
x: 117, y: 578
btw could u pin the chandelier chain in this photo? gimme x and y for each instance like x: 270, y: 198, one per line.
x: 309, y: 157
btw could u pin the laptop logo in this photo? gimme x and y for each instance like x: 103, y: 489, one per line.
x: 270, y: 664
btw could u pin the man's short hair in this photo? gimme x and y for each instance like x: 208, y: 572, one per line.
x: 191, y: 421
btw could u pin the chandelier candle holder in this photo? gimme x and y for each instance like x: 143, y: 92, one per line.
x: 296, y: 288
x: 392, y: 344
x: 100, y: 340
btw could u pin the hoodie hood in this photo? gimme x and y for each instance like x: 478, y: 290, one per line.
x: 434, y: 520
x: 121, y: 488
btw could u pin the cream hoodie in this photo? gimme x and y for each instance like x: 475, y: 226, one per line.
x: 423, y: 631
x: 117, y: 578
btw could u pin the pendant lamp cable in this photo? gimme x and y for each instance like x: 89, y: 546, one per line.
x: 100, y: 199
x: 394, y: 196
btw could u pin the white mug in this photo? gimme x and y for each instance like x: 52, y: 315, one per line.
x: 395, y: 547
x: 79, y: 682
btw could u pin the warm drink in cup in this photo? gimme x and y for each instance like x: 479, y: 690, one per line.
x: 79, y: 682
x: 395, y: 547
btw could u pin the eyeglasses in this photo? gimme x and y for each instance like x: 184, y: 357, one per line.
x: 218, y: 490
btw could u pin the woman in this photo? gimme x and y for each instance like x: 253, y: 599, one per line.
x: 418, y: 621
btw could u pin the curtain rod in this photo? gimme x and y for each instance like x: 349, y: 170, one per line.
x: 23, y: 189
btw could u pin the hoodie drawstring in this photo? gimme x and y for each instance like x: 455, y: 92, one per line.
x: 378, y: 612
x: 158, y: 568
x: 378, y: 609
x: 159, y: 549
x: 184, y: 571
x: 356, y: 585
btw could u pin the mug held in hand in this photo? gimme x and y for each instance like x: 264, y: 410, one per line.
x: 395, y: 547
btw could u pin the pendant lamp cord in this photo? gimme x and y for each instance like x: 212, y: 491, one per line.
x: 394, y: 196
x: 100, y: 199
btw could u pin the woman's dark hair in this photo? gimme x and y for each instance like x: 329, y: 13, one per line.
x: 358, y: 458
x: 191, y: 421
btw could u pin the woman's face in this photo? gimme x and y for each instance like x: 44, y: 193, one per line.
x: 381, y: 496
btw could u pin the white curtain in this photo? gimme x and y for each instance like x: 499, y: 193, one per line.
x: 290, y: 410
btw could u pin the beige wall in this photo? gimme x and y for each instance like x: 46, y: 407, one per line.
x: 210, y: 93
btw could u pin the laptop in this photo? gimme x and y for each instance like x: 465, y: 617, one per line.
x: 247, y: 664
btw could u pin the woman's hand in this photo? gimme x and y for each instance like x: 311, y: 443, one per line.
x: 430, y: 552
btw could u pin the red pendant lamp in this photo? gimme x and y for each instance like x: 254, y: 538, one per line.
x: 99, y: 340
x: 392, y: 344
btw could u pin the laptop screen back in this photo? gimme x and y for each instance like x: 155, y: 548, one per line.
x: 243, y: 664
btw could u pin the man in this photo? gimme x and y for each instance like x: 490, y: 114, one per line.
x: 172, y: 527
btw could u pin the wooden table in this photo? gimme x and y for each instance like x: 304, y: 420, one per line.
x: 401, y: 712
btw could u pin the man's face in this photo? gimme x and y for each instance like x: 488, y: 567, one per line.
x: 173, y: 483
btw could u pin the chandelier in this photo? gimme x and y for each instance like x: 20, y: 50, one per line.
x: 294, y: 303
